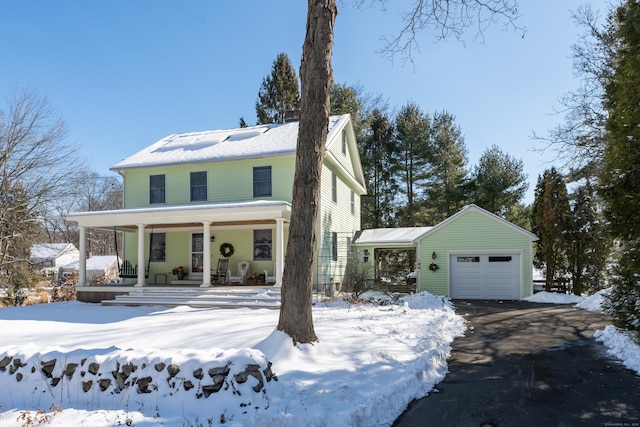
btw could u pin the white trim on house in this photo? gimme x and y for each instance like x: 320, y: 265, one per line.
x: 207, y: 216
x: 495, y: 252
x: 401, y: 237
x: 475, y: 208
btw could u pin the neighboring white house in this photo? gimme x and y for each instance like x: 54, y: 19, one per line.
x: 50, y: 257
x: 100, y: 269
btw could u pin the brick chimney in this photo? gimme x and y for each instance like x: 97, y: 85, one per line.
x: 292, y: 115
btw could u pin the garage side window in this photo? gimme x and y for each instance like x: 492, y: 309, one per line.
x: 468, y: 259
x: 499, y: 259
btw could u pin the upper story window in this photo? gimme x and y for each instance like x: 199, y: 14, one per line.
x: 156, y: 189
x: 262, y: 181
x: 344, y: 141
x: 198, y: 186
x: 334, y: 187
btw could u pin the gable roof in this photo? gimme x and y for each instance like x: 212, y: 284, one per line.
x: 409, y: 236
x: 45, y: 251
x: 96, y: 262
x: 474, y: 208
x: 226, y: 144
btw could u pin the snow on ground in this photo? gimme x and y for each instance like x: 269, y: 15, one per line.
x: 620, y: 344
x: 370, y: 362
x: 554, y: 298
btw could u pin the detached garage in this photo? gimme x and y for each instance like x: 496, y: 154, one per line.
x: 473, y: 254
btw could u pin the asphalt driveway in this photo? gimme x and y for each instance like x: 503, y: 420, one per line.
x: 528, y: 364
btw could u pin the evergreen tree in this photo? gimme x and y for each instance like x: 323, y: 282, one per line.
x: 621, y: 172
x: 619, y: 181
x: 550, y: 221
x: 498, y: 182
x: 278, y: 93
x: 242, y: 123
x: 414, y: 159
x: 349, y: 100
x: 445, y: 190
x: 379, y: 164
x: 589, y: 245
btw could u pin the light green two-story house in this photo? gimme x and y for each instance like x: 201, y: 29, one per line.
x: 192, y: 199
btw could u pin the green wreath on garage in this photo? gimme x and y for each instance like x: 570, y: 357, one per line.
x: 226, y: 250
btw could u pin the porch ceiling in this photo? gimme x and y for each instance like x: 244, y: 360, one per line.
x: 252, y: 212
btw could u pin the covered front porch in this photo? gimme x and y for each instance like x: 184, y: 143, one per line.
x: 157, y: 239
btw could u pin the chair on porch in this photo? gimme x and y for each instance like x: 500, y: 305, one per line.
x: 219, y: 277
x: 269, y: 279
x: 243, y: 268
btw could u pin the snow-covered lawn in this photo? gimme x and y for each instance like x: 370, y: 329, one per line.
x: 371, y: 361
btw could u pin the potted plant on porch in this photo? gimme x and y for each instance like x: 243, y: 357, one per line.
x: 252, y: 278
x: 179, y: 271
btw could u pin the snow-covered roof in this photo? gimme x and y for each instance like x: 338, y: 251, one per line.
x: 50, y: 250
x: 225, y: 144
x: 95, y: 263
x: 402, y: 236
x: 408, y: 236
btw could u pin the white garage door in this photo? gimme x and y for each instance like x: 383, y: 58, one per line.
x: 485, y: 276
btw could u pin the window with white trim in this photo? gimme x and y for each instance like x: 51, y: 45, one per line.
x: 156, y: 189
x: 262, y: 181
x: 199, y: 186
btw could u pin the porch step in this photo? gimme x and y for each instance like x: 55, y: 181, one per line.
x: 252, y: 298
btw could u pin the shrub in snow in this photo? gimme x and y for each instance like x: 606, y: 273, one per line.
x: 623, y: 303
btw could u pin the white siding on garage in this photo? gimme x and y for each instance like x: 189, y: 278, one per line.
x: 485, y: 275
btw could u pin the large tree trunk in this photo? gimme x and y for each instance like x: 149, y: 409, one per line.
x: 316, y: 76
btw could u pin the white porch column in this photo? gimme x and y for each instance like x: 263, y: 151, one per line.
x: 279, y: 264
x: 206, y: 254
x: 82, y: 261
x: 141, y: 263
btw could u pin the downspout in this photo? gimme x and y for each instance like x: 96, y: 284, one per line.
x: 418, y: 263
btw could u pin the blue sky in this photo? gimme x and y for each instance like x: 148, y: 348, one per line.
x: 125, y: 73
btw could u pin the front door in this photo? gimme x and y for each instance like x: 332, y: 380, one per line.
x: 197, y: 248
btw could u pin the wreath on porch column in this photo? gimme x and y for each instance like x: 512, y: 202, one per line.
x: 226, y: 250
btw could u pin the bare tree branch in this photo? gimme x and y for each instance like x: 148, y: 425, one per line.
x: 449, y: 18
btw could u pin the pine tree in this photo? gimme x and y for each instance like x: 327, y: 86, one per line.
x: 621, y: 174
x: 379, y: 164
x: 446, y: 188
x: 278, y: 93
x: 550, y: 221
x: 589, y: 245
x: 348, y: 100
x: 498, y: 182
x: 414, y: 159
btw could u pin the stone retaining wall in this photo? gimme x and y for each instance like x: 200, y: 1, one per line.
x: 113, y: 377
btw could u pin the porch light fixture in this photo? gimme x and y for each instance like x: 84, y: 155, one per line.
x: 212, y: 238
x: 433, y: 255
